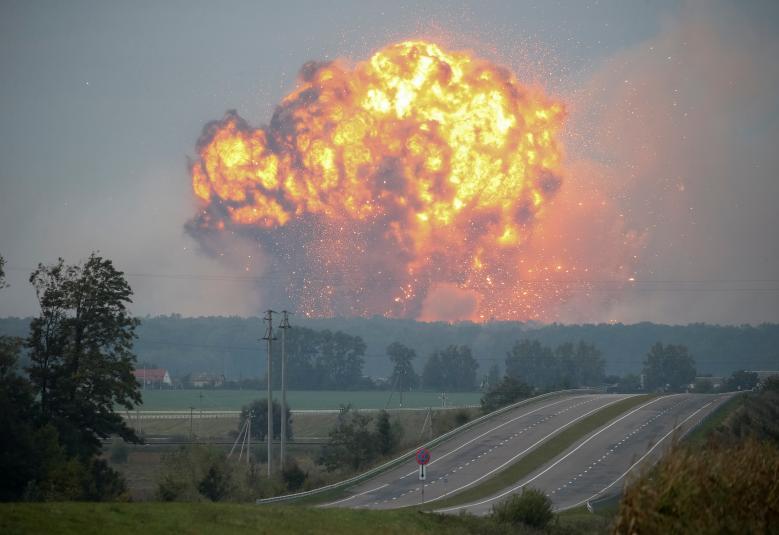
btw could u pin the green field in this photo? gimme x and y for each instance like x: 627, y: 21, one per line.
x: 161, y: 400
x: 165, y: 518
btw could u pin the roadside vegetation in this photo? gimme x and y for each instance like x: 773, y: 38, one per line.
x: 164, y: 518
x: 727, y: 484
x: 80, y: 367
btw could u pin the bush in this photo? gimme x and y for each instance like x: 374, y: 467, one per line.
x: 293, y: 476
x: 506, y: 392
x: 461, y: 417
x: 217, y: 483
x: 352, y: 445
x: 101, y: 483
x: 194, y: 472
x: 532, y: 508
x: 715, y: 489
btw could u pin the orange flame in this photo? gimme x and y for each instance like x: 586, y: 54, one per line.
x: 415, y: 168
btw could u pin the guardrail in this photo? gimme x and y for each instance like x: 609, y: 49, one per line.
x: 609, y: 499
x: 407, y: 455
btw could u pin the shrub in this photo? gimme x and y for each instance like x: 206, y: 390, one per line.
x: 102, y: 483
x: 461, y: 417
x: 532, y: 508
x: 716, y: 489
x: 193, y: 472
x: 506, y: 392
x: 216, y: 484
x: 293, y: 476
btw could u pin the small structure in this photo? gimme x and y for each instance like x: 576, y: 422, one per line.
x: 207, y: 380
x: 153, y: 377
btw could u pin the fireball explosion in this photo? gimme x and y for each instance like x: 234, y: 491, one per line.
x: 379, y: 185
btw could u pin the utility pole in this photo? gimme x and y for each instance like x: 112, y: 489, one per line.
x: 284, y: 325
x: 249, y: 438
x: 269, y: 337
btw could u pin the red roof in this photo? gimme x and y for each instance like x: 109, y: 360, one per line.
x: 150, y: 374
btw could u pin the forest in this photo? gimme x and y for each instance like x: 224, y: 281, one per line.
x: 232, y: 345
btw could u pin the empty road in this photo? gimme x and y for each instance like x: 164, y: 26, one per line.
x: 596, y: 466
x: 476, y: 454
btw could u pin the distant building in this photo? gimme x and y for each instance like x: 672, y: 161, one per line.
x: 153, y: 377
x: 207, y: 380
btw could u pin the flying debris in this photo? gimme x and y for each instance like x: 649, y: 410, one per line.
x: 391, y: 185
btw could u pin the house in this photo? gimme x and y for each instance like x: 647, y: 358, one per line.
x: 153, y: 377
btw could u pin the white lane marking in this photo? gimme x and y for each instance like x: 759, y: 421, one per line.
x: 604, y: 489
x: 490, y: 431
x: 355, y: 495
x: 523, y: 452
x: 513, y: 489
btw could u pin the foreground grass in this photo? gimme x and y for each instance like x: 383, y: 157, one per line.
x: 185, y: 518
x: 196, y: 518
x: 542, y: 455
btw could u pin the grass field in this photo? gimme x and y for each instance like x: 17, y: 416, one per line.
x: 195, y: 518
x: 304, y: 425
x: 166, y: 518
x: 160, y: 400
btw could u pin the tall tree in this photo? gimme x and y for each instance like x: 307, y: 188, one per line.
x: 403, y: 375
x: 741, y: 380
x: 81, y: 352
x: 258, y: 412
x: 340, y: 360
x: 669, y: 366
x: 533, y: 363
x: 591, y: 368
x: 453, y: 368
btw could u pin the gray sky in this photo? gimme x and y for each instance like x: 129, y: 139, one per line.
x: 673, y: 117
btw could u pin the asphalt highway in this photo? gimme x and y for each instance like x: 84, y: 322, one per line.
x: 476, y: 454
x: 597, y: 465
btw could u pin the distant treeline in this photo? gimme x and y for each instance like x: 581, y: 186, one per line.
x: 231, y: 345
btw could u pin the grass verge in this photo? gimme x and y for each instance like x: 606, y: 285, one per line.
x: 165, y: 518
x: 542, y: 454
x: 698, y: 436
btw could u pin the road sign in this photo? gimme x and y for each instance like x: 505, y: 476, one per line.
x: 422, y: 474
x: 423, y: 456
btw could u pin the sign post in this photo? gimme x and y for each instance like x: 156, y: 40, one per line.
x: 423, y: 457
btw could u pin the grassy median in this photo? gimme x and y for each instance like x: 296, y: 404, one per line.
x: 541, y: 455
x: 700, y: 434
